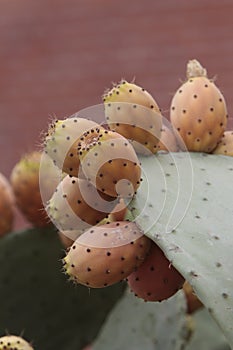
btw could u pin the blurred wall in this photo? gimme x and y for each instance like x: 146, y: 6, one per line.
x: 57, y: 57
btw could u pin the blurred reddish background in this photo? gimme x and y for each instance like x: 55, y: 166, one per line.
x: 57, y: 57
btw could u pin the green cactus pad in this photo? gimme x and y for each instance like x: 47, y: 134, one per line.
x: 135, y: 324
x: 38, y: 301
x: 206, y: 334
x: 185, y: 204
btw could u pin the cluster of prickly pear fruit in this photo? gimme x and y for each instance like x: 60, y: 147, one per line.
x: 13, y: 342
x: 198, y: 110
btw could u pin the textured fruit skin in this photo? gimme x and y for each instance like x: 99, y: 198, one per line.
x: 7, y: 202
x: 198, y: 112
x: 156, y: 279
x: 76, y: 205
x: 13, y: 342
x: 109, y: 162
x: 168, y: 141
x: 225, y: 145
x: 132, y: 112
x: 25, y: 183
x: 106, y: 254
x: 193, y: 303
x: 60, y: 142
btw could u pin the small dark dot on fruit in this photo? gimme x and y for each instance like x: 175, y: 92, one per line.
x: 63, y: 126
x: 173, y: 108
x: 152, y: 268
x: 122, y: 272
x: 206, y: 85
x: 218, y: 264
x: 68, y: 138
x: 184, y: 111
x: 71, y: 169
x: 122, y: 258
x: 151, y: 106
x: 105, y: 284
x: 199, y: 120
x: 211, y: 109
x: 74, y: 246
x: 178, y: 129
x: 198, y: 140
x: 136, y: 278
x: 88, y: 269
x: 194, y: 96
x: 225, y: 295
x: 108, y: 253
x: 221, y: 124
x: 220, y: 100
x: 180, y: 91
x: 109, y: 104
x: 117, y: 92
x: 72, y: 265
x: 71, y: 154
x: 78, y: 201
x: 125, y: 164
x: 130, y: 90
x: 117, y: 224
x: 88, y: 250
x: 148, y: 294
x: 143, y: 89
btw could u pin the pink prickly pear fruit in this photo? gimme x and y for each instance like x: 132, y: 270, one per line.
x: 106, y: 254
x: 60, y: 142
x: 25, y: 183
x: 193, y: 303
x: 132, y: 112
x: 225, y: 145
x: 7, y: 202
x: 198, y: 110
x: 156, y: 279
x: 13, y: 342
x: 77, y: 204
x: 109, y: 162
x: 168, y: 141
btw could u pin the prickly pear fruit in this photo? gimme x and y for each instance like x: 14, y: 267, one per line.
x: 6, y: 206
x: 225, y: 145
x: 168, y: 141
x: 193, y: 303
x: 60, y: 142
x: 77, y: 205
x: 25, y: 183
x: 109, y: 162
x: 156, y: 279
x: 106, y: 254
x: 198, y: 110
x: 132, y: 112
x: 13, y: 342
